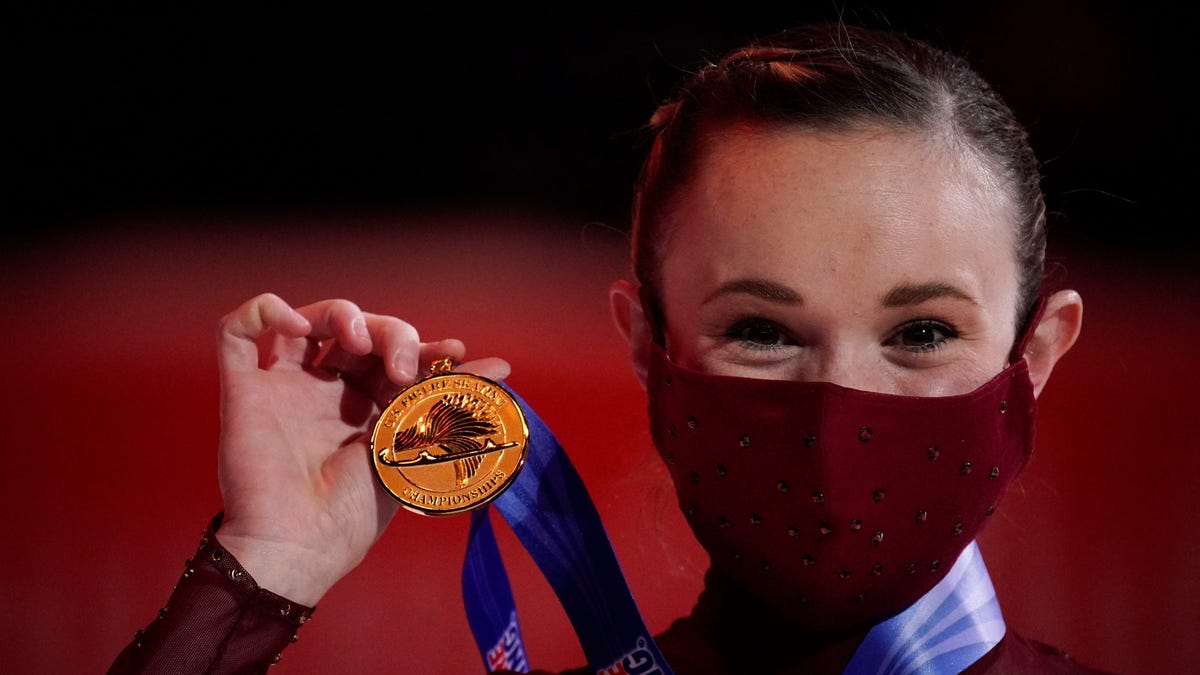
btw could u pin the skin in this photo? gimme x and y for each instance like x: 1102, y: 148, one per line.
x: 890, y: 241
x: 874, y: 259
x: 300, y: 388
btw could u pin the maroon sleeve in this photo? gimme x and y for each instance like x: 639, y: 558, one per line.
x: 217, y: 620
x: 1017, y: 655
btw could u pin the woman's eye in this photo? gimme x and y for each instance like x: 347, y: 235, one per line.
x: 758, y: 333
x: 924, y: 336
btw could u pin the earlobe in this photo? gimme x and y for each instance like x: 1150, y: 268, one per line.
x: 626, y: 305
x: 1055, y: 334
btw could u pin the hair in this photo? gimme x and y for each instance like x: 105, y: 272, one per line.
x: 837, y: 77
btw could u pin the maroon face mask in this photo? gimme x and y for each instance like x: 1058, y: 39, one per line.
x: 837, y: 507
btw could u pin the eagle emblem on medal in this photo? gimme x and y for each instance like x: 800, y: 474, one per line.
x: 450, y: 442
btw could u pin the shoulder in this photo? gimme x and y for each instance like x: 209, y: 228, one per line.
x: 1019, y: 655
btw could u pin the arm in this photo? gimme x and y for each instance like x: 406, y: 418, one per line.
x: 300, y: 389
x: 217, y: 620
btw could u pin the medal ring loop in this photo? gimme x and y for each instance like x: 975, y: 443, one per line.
x: 442, y: 365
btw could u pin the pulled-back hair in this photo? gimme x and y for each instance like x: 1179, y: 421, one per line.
x: 838, y: 77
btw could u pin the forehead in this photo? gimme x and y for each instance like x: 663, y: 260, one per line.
x: 893, y: 201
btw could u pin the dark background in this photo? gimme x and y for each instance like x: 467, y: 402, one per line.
x: 469, y: 169
x: 451, y: 105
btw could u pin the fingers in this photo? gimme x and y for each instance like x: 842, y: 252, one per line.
x: 398, y: 345
x: 450, y: 348
x: 393, y: 343
x: 383, y: 390
x: 341, y: 320
x: 245, y: 335
x: 239, y: 331
x: 375, y: 353
x: 397, y: 360
x: 492, y: 367
x: 335, y: 325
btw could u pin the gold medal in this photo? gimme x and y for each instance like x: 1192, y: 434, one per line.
x: 449, y: 443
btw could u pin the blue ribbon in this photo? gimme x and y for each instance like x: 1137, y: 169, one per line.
x: 948, y: 629
x: 553, y: 516
x: 491, y: 611
x: 548, y: 507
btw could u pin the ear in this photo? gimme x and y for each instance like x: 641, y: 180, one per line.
x: 626, y: 305
x: 1060, y: 326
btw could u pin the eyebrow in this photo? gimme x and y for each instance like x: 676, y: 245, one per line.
x: 905, y: 295
x: 761, y: 288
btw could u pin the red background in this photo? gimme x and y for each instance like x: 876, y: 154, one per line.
x: 111, y: 424
x: 469, y: 170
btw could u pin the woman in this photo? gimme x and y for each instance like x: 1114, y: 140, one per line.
x: 838, y: 316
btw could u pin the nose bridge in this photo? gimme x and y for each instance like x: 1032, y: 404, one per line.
x: 847, y: 365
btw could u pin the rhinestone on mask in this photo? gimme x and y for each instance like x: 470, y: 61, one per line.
x: 691, y: 422
x: 965, y: 468
x: 934, y: 566
x: 844, y: 574
x: 782, y: 485
x: 855, y: 525
x: 766, y: 566
x: 1003, y: 407
x: 745, y: 442
x: 877, y: 570
x: 878, y: 495
x: 864, y: 434
x: 721, y: 470
x: 793, y: 531
x: 722, y: 522
x: 995, y: 472
x: 755, y: 519
x: 934, y: 453
x: 808, y: 561
x: 818, y: 497
x: 825, y: 529
x: 877, y: 538
x: 810, y: 440
x: 922, y: 516
x: 958, y: 529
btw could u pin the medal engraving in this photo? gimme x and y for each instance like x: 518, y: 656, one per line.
x: 449, y: 443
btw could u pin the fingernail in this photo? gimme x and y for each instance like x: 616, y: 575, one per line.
x: 400, y: 365
x: 359, y: 326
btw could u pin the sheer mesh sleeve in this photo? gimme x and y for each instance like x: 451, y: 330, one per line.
x: 217, y: 620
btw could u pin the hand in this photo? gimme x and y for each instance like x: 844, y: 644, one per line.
x: 300, y: 390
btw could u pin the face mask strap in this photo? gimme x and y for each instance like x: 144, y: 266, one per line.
x: 653, y: 315
x: 1031, y: 324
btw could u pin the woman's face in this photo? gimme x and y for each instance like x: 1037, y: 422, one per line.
x: 876, y: 260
